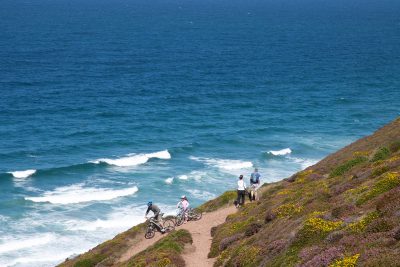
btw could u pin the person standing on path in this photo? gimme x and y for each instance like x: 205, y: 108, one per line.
x: 241, y: 191
x: 254, y: 185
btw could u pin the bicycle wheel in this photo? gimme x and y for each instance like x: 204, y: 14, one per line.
x: 150, y: 233
x: 195, y: 216
x: 169, y: 225
x: 179, y: 220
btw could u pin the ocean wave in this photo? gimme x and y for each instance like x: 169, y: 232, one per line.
x: 200, y: 194
x: 119, y: 220
x: 129, y: 160
x: 133, y: 160
x: 23, y: 174
x: 169, y: 180
x: 183, y: 177
x: 18, y: 244
x: 281, y: 152
x: 46, y: 249
x: 77, y: 194
x: 225, y: 164
x: 304, y: 163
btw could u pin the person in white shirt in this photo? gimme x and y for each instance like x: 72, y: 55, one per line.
x: 241, y: 191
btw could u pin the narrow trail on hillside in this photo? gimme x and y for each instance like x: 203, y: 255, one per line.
x: 196, y: 254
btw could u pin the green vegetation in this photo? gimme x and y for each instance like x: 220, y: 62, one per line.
x: 382, y: 154
x: 387, y: 182
x: 166, y: 252
x: 359, y: 226
x: 340, y: 170
x: 89, y: 262
x: 108, y: 251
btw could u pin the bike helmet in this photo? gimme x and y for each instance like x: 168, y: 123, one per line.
x: 183, y: 197
x: 149, y: 203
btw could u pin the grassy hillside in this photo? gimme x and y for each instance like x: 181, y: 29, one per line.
x: 166, y: 252
x: 108, y: 252
x: 343, y: 211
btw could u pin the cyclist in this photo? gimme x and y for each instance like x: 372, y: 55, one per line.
x: 183, y: 205
x: 156, y: 210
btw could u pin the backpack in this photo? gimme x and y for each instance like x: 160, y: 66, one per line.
x: 255, y: 176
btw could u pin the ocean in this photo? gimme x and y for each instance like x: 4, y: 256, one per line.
x: 108, y: 104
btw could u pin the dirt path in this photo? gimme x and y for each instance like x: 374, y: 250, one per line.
x: 138, y: 245
x: 196, y: 254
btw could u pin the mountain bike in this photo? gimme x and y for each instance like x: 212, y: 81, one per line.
x: 192, y: 215
x: 167, y: 225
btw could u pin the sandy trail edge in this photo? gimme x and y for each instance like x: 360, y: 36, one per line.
x: 195, y: 255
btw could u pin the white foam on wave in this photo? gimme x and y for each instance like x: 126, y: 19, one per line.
x: 183, y: 177
x: 134, y: 159
x: 47, y: 249
x: 225, y: 164
x: 120, y: 219
x: 281, y: 152
x: 23, y: 174
x: 77, y: 193
x: 304, y: 163
x: 169, y: 180
x: 18, y: 244
x: 160, y: 155
x: 201, y: 194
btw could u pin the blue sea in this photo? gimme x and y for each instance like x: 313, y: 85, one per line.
x: 107, y: 104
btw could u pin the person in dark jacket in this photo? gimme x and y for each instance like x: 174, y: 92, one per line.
x: 157, y: 217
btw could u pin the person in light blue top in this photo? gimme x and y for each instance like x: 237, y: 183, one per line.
x: 254, y: 185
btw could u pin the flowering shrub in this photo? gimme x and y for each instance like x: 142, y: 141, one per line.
x: 389, y: 181
x: 352, y: 195
x: 277, y: 246
x: 321, y: 225
x: 346, y: 262
x: 361, y: 154
x: 301, y: 176
x: 247, y: 256
x: 283, y: 192
x: 325, y: 257
x: 358, y: 227
x: 287, y: 210
x: 308, y: 253
x: 393, y: 159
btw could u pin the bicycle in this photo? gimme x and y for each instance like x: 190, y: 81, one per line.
x: 153, y: 226
x: 192, y: 215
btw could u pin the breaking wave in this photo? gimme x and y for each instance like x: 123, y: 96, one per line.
x: 134, y: 160
x: 281, y: 152
x: 22, y: 174
x: 225, y: 164
x: 77, y: 194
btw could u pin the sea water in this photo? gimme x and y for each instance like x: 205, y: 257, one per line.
x: 105, y: 105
